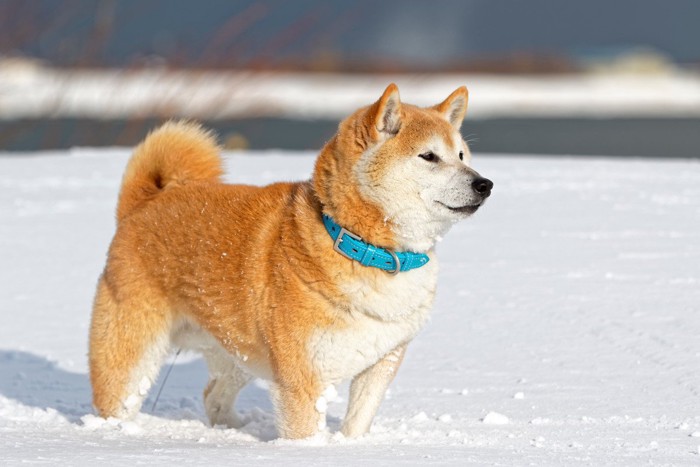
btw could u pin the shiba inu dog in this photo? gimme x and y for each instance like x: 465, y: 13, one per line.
x: 303, y: 284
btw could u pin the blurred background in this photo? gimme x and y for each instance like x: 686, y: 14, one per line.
x: 598, y: 77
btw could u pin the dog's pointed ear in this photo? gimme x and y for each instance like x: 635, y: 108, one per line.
x: 454, y: 108
x: 387, y: 112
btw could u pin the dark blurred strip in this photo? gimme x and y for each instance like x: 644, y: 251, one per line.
x: 640, y: 137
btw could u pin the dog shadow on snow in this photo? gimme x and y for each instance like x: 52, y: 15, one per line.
x: 37, y: 382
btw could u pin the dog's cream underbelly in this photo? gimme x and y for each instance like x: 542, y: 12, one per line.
x: 190, y: 336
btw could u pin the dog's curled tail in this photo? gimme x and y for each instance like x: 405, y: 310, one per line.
x: 172, y: 155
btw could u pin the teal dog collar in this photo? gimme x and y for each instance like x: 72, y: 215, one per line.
x: 351, y: 246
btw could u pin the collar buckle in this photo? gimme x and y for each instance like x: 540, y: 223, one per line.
x: 339, y: 240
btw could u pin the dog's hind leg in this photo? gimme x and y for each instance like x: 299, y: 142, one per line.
x: 128, y: 340
x: 226, y: 379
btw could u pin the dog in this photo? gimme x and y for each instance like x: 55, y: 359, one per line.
x: 303, y: 284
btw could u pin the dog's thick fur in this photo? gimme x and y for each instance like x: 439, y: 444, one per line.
x: 248, y: 275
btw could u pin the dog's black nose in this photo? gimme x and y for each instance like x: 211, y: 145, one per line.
x: 482, y: 186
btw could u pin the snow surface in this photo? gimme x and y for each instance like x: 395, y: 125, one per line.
x: 566, y: 329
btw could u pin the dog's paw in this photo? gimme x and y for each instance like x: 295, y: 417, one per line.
x: 229, y: 419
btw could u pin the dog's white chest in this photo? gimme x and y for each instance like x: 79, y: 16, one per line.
x: 381, y: 316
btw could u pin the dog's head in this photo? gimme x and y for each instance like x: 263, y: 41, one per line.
x: 399, y: 175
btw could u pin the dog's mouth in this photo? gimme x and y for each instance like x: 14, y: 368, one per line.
x: 468, y: 209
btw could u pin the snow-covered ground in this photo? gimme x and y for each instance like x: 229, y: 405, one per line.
x: 566, y: 329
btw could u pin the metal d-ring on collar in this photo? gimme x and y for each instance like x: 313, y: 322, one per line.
x: 353, y: 247
x: 397, y: 269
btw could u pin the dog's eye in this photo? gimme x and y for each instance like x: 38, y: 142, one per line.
x: 429, y: 156
x: 461, y: 155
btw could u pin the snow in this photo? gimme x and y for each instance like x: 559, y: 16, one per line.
x: 36, y: 91
x: 576, y: 286
x: 495, y: 418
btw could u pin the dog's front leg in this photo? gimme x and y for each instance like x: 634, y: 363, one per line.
x: 299, y: 414
x: 367, y: 391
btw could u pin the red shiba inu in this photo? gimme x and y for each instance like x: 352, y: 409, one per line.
x: 304, y: 284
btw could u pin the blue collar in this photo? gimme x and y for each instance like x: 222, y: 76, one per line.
x: 351, y: 246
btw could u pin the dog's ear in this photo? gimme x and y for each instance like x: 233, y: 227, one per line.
x: 387, y: 112
x: 454, y: 107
